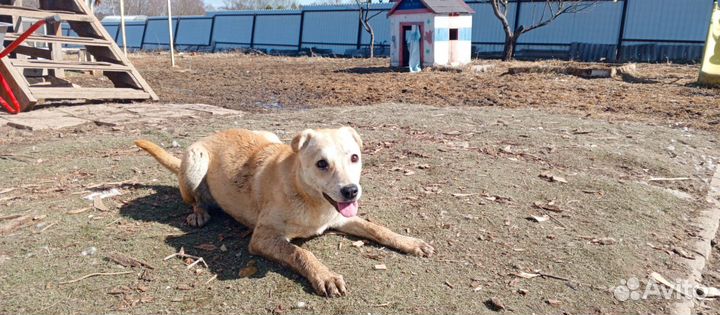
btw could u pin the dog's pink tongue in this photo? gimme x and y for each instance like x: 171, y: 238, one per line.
x: 348, y: 209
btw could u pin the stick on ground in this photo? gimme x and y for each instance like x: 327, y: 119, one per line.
x: 95, y: 275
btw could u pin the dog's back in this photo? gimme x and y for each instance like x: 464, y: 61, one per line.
x: 235, y: 157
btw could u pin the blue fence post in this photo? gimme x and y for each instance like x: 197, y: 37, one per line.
x: 359, y: 30
x: 621, y: 33
x: 302, y: 23
x: 211, y: 42
x: 252, y: 32
x: 142, y: 40
x: 518, y: 4
x: 175, y: 35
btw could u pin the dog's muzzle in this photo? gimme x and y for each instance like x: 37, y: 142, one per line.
x: 347, y: 209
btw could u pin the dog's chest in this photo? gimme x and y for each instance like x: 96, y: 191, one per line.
x: 312, y: 225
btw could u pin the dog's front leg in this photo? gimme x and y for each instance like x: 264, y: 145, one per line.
x: 269, y: 243
x: 382, y: 235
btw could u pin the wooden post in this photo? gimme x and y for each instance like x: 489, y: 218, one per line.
x: 122, y: 26
x: 56, y: 50
x: 170, y: 31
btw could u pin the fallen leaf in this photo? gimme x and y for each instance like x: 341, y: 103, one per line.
x: 541, y: 218
x: 522, y: 291
x: 100, y: 205
x: 247, y: 271
x: 550, y: 206
x: 552, y: 178
x: 424, y: 166
x: 409, y: 172
x: 604, y: 241
x: 358, y: 243
x: 526, y: 275
x: 223, y: 248
x: 380, y: 267
x: 553, y: 302
x: 126, y: 261
x: 495, y: 304
x: 206, y: 246
x: 459, y: 195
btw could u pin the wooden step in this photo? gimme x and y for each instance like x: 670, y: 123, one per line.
x: 87, y: 41
x: 68, y: 65
x: 64, y: 93
x: 41, y: 14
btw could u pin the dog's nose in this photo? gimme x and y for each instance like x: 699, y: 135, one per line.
x: 349, y: 191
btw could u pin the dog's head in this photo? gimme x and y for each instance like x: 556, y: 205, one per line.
x: 331, y: 162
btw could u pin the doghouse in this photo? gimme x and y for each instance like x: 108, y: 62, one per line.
x: 445, y: 28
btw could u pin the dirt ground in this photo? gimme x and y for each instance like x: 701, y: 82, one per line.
x: 261, y: 83
x: 464, y: 178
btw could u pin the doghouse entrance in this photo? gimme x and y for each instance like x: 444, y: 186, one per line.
x: 405, y: 49
x: 405, y: 32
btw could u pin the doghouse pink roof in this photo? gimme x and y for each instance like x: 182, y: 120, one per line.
x: 440, y: 6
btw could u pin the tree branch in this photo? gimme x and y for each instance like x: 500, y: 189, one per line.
x: 502, y: 15
x: 575, y: 7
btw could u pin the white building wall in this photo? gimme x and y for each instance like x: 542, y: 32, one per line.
x: 461, y: 49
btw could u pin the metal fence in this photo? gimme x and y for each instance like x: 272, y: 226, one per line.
x: 623, y: 30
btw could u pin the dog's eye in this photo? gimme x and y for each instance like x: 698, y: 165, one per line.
x: 322, y: 164
x: 354, y: 158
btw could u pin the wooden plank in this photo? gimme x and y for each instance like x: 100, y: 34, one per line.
x: 63, y: 40
x: 55, y: 93
x: 56, y: 52
x: 116, y: 51
x: 41, y: 14
x: 17, y: 83
x: 68, y: 65
x: 32, y: 51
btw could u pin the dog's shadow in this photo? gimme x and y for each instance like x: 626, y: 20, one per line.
x: 222, y: 242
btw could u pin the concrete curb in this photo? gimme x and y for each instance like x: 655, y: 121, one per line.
x: 707, y: 223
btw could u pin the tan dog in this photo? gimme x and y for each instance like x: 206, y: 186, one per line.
x: 282, y: 192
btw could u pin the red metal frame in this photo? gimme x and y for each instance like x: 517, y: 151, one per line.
x: 403, y: 44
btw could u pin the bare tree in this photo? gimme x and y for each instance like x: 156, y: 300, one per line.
x: 259, y: 4
x: 365, y: 17
x: 151, y: 7
x: 551, y: 11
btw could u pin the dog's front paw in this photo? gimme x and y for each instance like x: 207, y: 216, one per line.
x: 418, y: 247
x: 328, y: 284
x: 198, y: 218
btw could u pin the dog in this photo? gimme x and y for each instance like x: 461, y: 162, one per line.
x: 282, y: 192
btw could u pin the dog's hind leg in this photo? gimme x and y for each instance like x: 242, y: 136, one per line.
x: 193, y: 185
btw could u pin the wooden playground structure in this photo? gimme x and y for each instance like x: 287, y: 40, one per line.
x: 37, y: 73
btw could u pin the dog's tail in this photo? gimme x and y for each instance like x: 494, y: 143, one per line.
x: 166, y: 159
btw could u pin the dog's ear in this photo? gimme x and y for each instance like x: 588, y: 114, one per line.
x: 355, y: 135
x: 301, y: 139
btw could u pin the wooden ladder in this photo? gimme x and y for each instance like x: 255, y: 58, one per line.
x: 108, y: 57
